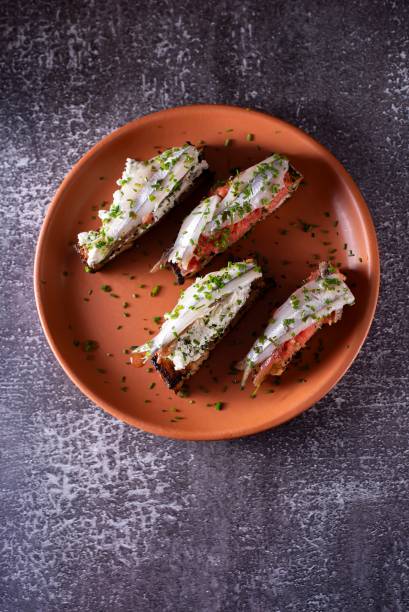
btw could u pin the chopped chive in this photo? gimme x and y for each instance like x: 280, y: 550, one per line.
x: 157, y: 320
x: 152, y: 385
x: 126, y: 314
x: 114, y: 295
x: 135, y: 295
x: 155, y: 290
x: 125, y: 305
x: 106, y: 288
x: 250, y: 137
x: 218, y: 405
x: 90, y: 345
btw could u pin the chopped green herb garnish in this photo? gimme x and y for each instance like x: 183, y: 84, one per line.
x: 305, y: 226
x: 157, y: 320
x: 106, y: 288
x: 295, y: 302
x: 250, y: 137
x: 90, y: 345
x: 155, y: 290
x: 218, y: 405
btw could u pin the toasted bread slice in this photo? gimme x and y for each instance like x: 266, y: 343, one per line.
x: 226, y: 215
x: 320, y: 301
x: 200, y: 319
x: 148, y: 191
x: 176, y: 378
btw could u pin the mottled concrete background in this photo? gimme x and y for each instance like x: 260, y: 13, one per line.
x: 96, y: 516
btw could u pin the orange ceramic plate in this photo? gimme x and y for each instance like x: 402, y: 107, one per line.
x: 74, y: 309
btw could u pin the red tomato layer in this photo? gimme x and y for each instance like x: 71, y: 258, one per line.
x: 276, y: 363
x: 208, y: 246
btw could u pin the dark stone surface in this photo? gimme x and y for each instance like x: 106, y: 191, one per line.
x: 98, y: 516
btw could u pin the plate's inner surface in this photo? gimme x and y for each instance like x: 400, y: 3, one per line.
x: 322, y: 220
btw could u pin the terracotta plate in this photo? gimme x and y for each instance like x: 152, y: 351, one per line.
x: 326, y: 218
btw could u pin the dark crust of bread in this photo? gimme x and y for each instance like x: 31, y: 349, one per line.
x: 175, y: 378
x: 123, y: 245
x: 296, y: 177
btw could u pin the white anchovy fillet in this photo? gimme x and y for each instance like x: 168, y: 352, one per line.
x: 192, y: 228
x: 249, y: 190
x: 315, y: 300
x: 200, y: 300
x: 145, y: 195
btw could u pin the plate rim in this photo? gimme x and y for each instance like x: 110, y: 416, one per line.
x: 226, y: 434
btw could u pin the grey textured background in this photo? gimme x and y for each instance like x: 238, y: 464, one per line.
x: 98, y: 516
